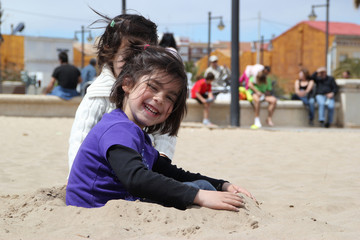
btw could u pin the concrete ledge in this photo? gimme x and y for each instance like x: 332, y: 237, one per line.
x: 350, y: 99
x: 287, y: 113
x: 37, y: 106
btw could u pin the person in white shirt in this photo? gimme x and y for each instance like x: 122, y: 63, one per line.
x: 221, y: 73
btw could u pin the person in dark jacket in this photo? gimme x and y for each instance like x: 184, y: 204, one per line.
x: 326, y: 89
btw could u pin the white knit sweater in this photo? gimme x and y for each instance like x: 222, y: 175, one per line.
x: 91, y: 109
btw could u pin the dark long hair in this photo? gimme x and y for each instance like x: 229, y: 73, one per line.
x: 119, y: 31
x: 141, y: 60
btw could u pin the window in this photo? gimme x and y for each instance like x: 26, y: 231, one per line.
x: 342, y: 57
x: 356, y: 54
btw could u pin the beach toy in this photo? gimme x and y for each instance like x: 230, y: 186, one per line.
x: 248, y: 95
x: 244, y: 94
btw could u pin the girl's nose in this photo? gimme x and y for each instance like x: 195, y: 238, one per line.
x: 159, y: 97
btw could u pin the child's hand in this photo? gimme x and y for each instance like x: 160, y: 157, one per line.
x: 219, y: 200
x: 229, y: 187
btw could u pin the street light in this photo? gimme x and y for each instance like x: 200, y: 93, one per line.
x: 123, y: 11
x: 312, y: 16
x: 221, y: 26
x: 89, y: 38
x: 261, y: 43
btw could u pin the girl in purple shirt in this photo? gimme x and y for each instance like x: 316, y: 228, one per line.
x: 117, y: 160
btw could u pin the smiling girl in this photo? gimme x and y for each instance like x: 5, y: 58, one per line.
x: 117, y: 159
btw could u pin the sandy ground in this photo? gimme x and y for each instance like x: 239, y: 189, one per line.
x: 306, y: 180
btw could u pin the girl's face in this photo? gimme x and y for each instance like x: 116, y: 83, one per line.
x: 151, y: 100
x: 301, y: 75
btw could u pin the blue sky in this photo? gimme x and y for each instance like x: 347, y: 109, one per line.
x: 184, y: 18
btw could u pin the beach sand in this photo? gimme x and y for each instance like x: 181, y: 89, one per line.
x: 306, y: 181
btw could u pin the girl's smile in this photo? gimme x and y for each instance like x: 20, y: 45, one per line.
x: 151, y: 109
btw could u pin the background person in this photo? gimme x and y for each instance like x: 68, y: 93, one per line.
x: 252, y: 71
x: 201, y: 91
x: 67, y: 77
x: 168, y: 40
x: 326, y: 89
x: 261, y: 91
x: 88, y: 74
x: 221, y: 73
x: 303, y: 91
x: 346, y: 74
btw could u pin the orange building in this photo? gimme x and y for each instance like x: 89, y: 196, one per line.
x: 12, y: 56
x: 89, y: 53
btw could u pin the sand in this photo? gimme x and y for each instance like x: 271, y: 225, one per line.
x: 306, y: 181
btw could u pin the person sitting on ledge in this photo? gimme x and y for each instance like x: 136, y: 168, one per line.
x: 326, y: 88
x: 201, y: 91
x: 67, y: 77
x: 261, y: 91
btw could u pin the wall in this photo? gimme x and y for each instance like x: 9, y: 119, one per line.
x: 41, y: 55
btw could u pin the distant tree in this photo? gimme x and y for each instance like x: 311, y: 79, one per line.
x: 349, y: 64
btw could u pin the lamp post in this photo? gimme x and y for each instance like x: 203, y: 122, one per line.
x: 123, y: 11
x: 260, y: 43
x: 221, y: 26
x: 312, y: 16
x: 235, y: 62
x: 83, y: 31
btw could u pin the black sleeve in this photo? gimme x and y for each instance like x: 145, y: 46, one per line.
x: 313, y: 76
x: 163, y: 165
x: 144, y: 183
x: 55, y: 73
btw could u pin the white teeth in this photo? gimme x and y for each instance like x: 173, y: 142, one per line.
x: 150, y: 109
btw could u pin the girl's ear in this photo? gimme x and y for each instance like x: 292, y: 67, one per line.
x: 126, y: 85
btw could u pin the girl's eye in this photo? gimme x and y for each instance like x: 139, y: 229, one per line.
x: 152, y: 87
x: 172, y: 99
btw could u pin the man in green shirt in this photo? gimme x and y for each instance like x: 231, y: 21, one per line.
x: 261, y: 91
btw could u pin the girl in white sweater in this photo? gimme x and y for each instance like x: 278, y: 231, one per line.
x: 119, y: 33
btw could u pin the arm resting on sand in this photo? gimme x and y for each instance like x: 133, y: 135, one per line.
x: 142, y: 182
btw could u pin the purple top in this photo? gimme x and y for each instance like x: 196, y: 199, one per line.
x: 92, y: 182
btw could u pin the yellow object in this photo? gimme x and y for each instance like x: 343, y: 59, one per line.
x: 254, y: 127
x: 246, y: 92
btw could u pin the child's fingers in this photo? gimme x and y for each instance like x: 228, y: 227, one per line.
x: 240, y: 190
x: 243, y: 191
x: 234, y: 200
x: 230, y: 207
